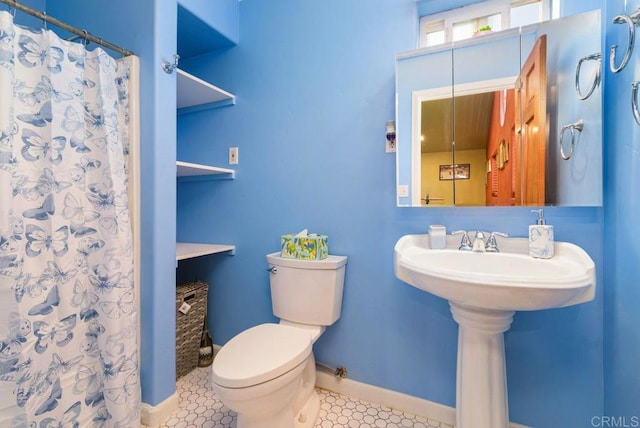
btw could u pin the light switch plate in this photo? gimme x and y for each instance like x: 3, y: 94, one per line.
x: 233, y: 156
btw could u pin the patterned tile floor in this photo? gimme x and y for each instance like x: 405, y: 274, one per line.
x: 199, y: 407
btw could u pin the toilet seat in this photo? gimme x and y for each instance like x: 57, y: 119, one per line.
x: 260, y: 354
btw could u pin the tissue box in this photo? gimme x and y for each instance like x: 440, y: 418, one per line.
x: 310, y: 247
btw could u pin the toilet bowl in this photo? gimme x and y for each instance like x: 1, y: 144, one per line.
x: 266, y: 374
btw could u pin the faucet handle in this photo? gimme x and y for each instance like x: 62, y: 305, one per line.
x: 492, y: 244
x: 465, y: 242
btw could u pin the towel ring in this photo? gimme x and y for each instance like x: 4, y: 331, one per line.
x: 631, y: 26
x: 596, y: 80
x: 634, y: 101
x: 578, y: 126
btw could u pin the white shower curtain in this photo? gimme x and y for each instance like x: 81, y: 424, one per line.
x: 68, y: 323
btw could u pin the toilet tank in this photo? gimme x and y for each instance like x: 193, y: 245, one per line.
x: 307, y: 291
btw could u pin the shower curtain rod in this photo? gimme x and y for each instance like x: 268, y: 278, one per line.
x: 80, y: 33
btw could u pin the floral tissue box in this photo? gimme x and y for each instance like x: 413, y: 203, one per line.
x: 310, y: 247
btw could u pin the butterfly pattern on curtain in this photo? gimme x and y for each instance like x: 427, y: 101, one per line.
x: 68, y: 322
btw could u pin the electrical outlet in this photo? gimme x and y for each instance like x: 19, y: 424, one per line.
x: 390, y: 146
x: 403, y: 191
x: 233, y: 156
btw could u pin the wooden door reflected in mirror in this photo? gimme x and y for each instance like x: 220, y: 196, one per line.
x: 532, y: 84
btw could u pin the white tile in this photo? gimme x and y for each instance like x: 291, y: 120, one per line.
x: 199, y: 407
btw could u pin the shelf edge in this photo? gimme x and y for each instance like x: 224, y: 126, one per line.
x: 192, y: 250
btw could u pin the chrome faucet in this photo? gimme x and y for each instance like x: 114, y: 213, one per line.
x: 479, y: 245
x: 478, y: 242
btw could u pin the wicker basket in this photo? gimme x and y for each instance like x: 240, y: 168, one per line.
x: 189, y: 325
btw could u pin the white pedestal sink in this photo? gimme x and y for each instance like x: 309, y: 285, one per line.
x: 484, y: 290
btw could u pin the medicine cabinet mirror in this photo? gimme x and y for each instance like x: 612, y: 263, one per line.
x: 503, y: 119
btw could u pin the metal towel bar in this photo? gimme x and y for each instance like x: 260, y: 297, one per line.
x: 596, y: 80
x: 427, y: 199
x: 573, y: 127
x: 634, y: 101
x: 632, y: 21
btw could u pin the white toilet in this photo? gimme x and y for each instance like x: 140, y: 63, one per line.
x: 267, y: 373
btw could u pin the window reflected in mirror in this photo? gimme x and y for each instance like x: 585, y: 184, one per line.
x: 481, y: 18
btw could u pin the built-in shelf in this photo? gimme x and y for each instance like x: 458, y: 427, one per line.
x: 194, y: 94
x: 190, y: 250
x: 193, y: 91
x: 187, y: 169
x: 186, y: 250
x: 206, y: 26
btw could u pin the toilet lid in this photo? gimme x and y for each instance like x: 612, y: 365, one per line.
x: 259, y: 354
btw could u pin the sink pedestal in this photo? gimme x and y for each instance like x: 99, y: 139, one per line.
x: 481, y: 380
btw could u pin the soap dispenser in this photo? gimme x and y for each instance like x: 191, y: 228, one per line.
x: 540, y: 238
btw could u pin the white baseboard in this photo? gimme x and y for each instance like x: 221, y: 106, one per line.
x: 393, y: 399
x: 153, y: 416
x: 386, y: 397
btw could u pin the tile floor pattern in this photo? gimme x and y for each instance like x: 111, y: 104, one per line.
x: 199, y: 407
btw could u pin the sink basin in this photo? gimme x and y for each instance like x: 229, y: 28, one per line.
x: 484, y: 290
x: 508, y: 280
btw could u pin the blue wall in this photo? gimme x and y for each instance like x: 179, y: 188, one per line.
x: 315, y: 85
x: 207, y: 26
x: 149, y: 29
x: 223, y: 17
x: 22, y: 18
x: 622, y: 249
